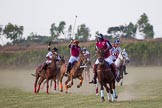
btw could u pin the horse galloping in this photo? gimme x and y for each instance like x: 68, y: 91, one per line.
x: 59, y: 64
x: 105, y: 76
x: 50, y: 73
x: 75, y: 72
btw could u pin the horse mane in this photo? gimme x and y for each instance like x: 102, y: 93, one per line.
x: 100, y: 52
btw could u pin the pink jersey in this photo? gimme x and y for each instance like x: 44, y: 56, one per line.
x: 103, y: 45
x: 75, y: 50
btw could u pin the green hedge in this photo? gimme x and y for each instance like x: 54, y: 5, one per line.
x: 140, y: 53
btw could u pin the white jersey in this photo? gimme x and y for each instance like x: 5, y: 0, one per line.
x: 114, y: 51
x: 49, y: 57
x: 86, y: 54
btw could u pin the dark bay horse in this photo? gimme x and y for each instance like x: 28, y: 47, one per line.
x: 50, y: 73
x: 105, y: 76
x: 75, y: 72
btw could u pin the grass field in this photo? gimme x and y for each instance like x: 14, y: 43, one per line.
x: 142, y: 89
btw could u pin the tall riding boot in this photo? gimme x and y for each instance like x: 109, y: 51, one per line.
x: 43, y: 67
x: 68, y: 69
x: 95, y: 74
x: 124, y: 69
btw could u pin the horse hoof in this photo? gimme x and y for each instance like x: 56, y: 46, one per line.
x: 78, y: 86
x: 66, y: 92
x: 110, y: 101
x: 102, y: 99
x: 116, y: 97
x: 61, y: 90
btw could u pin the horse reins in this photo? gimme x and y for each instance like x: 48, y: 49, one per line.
x: 90, y: 59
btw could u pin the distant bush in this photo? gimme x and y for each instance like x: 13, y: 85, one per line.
x: 140, y: 54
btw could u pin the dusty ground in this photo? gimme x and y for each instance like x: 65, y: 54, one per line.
x: 137, y: 76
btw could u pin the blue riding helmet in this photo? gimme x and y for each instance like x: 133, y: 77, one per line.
x: 117, y: 41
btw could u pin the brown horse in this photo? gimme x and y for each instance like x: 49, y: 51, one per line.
x: 105, y: 76
x: 50, y: 73
x: 75, y: 72
x: 59, y: 64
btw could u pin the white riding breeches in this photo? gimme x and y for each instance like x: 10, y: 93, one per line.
x: 108, y: 60
x: 72, y: 59
x: 48, y: 61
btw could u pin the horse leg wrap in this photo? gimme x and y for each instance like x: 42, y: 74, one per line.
x: 112, y: 97
x: 108, y: 96
x: 102, y: 93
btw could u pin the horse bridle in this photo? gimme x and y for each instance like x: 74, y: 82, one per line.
x: 122, y: 56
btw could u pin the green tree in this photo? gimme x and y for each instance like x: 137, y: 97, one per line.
x: 131, y: 30
x: 113, y: 31
x: 61, y: 27
x: 13, y: 32
x: 56, y: 31
x: 145, y: 27
x: 53, y: 31
x: 69, y: 31
x: 82, y: 33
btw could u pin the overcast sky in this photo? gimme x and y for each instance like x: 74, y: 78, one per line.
x: 38, y: 15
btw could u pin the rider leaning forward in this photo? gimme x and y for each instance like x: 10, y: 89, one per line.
x: 49, y: 58
x: 106, y: 46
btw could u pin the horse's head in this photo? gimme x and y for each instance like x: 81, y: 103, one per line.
x: 124, y: 56
x: 100, y: 56
x: 54, y: 57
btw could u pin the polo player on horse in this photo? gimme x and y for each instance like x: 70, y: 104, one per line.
x: 106, y: 46
x: 115, y: 50
x: 49, y: 58
x: 74, y: 52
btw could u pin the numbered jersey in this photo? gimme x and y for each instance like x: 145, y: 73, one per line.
x: 115, y: 51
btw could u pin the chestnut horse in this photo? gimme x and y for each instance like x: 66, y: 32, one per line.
x: 75, y: 72
x: 105, y: 76
x: 59, y: 64
x: 50, y: 73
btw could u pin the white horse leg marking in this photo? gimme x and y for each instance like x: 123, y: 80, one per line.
x: 102, y: 93
x: 108, y: 96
